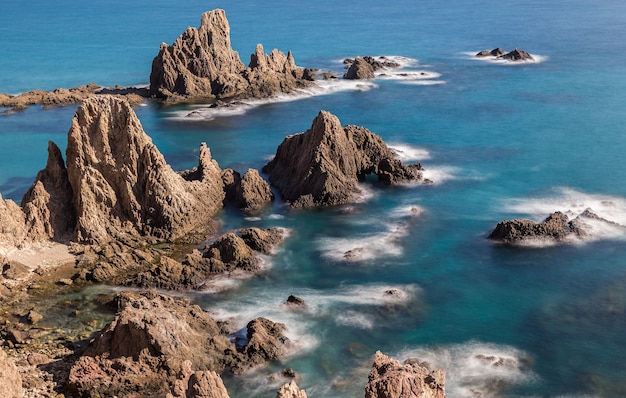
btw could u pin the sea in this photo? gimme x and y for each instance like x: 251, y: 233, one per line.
x: 499, y: 140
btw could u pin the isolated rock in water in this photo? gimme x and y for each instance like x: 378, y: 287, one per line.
x: 266, y: 341
x: 10, y: 378
x: 515, y: 55
x: 322, y: 166
x: 518, y: 55
x: 290, y: 390
x: 48, y: 204
x: 360, y: 69
x: 122, y: 184
x: 496, y: 52
x: 12, y: 224
x: 389, y: 379
x: 555, y: 227
x: 202, y: 66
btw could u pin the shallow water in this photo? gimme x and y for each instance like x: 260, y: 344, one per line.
x: 499, y: 141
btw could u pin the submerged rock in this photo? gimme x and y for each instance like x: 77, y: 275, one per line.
x: 390, y: 379
x: 322, y: 166
x: 202, y: 66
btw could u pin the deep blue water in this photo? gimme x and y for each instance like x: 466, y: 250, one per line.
x: 500, y: 141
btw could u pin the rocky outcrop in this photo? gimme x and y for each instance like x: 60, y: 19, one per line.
x: 322, y: 166
x: 13, y: 230
x: 202, y: 66
x: 250, y: 192
x: 135, y: 263
x: 515, y: 55
x: 63, y: 96
x: 48, y: 204
x: 290, y: 390
x: 359, y: 69
x: 155, y: 340
x: 122, y: 184
x: 390, y: 379
x: 556, y: 228
x: 10, y: 378
x: 364, y: 67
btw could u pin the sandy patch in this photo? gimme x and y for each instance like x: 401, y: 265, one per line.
x: 39, y: 256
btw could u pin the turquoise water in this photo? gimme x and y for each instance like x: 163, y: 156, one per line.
x: 500, y: 141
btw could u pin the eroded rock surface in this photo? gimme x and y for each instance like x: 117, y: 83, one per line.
x: 202, y: 66
x: 290, y: 390
x: 10, y: 378
x: 13, y: 230
x: 322, y: 166
x: 390, y: 379
x: 154, y: 340
x: 250, y: 192
x: 122, y: 184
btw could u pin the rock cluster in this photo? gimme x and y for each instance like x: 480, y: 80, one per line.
x: 556, y: 228
x: 202, y: 66
x: 516, y: 55
x: 364, y: 67
x: 390, y: 379
x: 322, y: 166
x: 156, y: 341
x: 63, y: 96
x: 290, y: 390
x: 250, y: 192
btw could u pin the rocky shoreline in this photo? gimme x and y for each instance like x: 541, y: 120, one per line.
x: 118, y: 214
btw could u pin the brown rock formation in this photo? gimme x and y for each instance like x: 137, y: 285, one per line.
x: 322, y: 166
x: 556, y: 228
x: 390, y: 379
x: 12, y: 224
x: 64, y: 96
x: 122, y: 184
x: 359, y: 69
x: 249, y: 193
x: 201, y: 66
x: 10, y: 378
x: 48, y: 204
x: 290, y: 390
x: 133, y: 263
x: 155, y: 340
x: 199, y: 384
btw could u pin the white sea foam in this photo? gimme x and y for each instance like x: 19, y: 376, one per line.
x: 475, y: 368
x: 320, y: 87
x: 424, y: 82
x: 610, y: 209
x: 408, y: 153
x: 365, y: 247
x: 537, y: 59
x: 356, y: 319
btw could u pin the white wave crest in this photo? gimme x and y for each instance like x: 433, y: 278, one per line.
x: 407, y: 153
x: 374, y: 245
x: 476, y: 369
x: 319, y: 87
